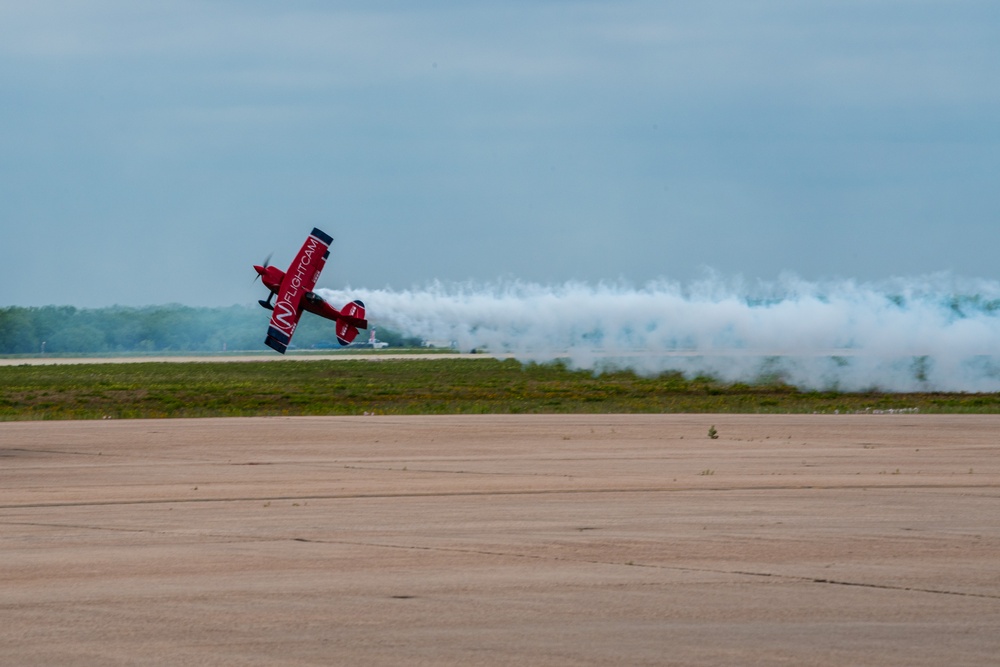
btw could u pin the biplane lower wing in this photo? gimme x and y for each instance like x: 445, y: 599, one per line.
x: 300, y: 278
x: 277, y: 340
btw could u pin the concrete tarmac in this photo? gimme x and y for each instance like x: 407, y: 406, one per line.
x: 501, y: 540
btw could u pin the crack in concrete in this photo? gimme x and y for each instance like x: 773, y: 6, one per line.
x: 521, y: 492
x: 789, y: 577
x: 483, y: 552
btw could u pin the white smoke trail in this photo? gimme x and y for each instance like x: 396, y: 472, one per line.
x: 930, y: 334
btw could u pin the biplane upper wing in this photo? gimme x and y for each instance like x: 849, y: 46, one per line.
x: 300, y: 278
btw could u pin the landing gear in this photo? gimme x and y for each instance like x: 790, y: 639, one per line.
x: 267, y: 304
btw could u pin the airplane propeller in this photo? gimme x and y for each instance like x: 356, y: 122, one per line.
x: 267, y: 263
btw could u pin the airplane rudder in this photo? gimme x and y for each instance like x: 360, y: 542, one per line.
x: 355, y: 310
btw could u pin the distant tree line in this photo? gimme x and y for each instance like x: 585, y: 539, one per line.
x: 172, y: 328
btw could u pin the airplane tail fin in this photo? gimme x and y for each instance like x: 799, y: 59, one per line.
x: 352, y: 318
x: 355, y: 310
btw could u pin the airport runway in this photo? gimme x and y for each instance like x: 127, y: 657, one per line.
x: 233, y: 358
x: 492, y: 540
x: 540, y: 356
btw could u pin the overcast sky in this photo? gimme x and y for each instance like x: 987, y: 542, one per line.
x: 150, y: 152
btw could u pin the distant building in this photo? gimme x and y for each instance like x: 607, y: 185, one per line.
x: 372, y: 342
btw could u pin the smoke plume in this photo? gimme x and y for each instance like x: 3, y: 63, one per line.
x: 938, y: 333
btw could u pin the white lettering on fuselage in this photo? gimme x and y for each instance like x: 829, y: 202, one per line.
x: 285, y: 316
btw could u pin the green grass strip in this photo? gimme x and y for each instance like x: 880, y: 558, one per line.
x: 405, y: 387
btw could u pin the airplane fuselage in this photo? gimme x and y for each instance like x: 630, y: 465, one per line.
x: 311, y: 302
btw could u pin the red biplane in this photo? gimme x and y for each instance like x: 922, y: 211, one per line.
x: 294, y: 291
